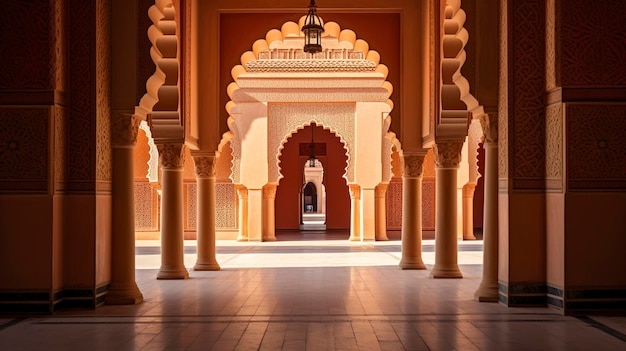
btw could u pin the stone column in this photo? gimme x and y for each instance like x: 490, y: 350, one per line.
x: 171, y: 158
x: 468, y: 211
x: 242, y: 192
x: 412, y: 212
x: 255, y: 215
x: 205, y: 179
x: 447, y: 159
x: 488, y: 289
x: 123, y: 290
x: 367, y: 217
x: 269, y: 197
x: 355, y: 212
x: 381, y: 212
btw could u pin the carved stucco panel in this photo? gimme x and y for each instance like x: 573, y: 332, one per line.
x: 287, y: 119
x: 225, y: 206
x: 554, y: 142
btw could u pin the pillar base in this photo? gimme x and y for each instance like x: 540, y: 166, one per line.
x: 172, y: 273
x: 354, y: 238
x: 269, y: 239
x: 242, y: 239
x: 446, y: 272
x: 382, y: 238
x: 486, y: 293
x: 206, y: 265
x: 412, y: 264
x: 124, y: 296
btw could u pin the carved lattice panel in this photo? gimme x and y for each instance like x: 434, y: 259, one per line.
x: 225, y: 206
x: 394, y: 204
x: 144, y: 207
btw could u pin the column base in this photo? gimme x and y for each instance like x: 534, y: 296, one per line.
x: 446, y: 272
x: 486, y: 293
x: 355, y: 238
x: 412, y: 264
x: 270, y: 239
x: 172, y: 273
x: 382, y: 238
x: 206, y: 265
x: 123, y: 296
x: 242, y: 238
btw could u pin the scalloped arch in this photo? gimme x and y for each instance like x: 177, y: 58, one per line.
x: 162, y: 91
x: 301, y: 127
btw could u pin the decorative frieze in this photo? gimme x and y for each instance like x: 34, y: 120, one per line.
x: 328, y: 65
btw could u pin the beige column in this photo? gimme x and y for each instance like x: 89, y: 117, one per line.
x: 412, y: 212
x: 488, y: 289
x: 355, y: 212
x: 255, y: 214
x: 123, y: 290
x: 447, y: 159
x: 368, y: 214
x: 468, y: 211
x: 269, y: 197
x: 171, y: 158
x: 381, y: 212
x: 205, y: 180
x: 242, y: 192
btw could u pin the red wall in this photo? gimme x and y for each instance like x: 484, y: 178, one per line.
x: 292, y: 166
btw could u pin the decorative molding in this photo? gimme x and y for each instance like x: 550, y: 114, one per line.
x: 310, y: 66
x: 448, y: 154
x: 204, y: 166
x: 413, y: 166
x: 124, y: 128
x: 171, y: 156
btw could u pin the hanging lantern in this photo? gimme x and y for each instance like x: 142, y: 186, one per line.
x: 312, y: 30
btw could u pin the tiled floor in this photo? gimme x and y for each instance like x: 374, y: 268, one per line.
x: 311, y: 294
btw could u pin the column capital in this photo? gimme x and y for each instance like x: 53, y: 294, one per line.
x: 413, y: 165
x: 171, y: 156
x: 269, y: 191
x: 448, y: 154
x: 489, y: 123
x: 204, y: 166
x: 242, y: 191
x: 124, y: 128
x: 381, y: 189
x: 355, y: 191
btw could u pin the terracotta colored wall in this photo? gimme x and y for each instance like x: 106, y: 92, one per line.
x: 337, y: 195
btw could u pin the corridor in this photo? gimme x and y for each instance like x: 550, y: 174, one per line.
x: 305, y: 293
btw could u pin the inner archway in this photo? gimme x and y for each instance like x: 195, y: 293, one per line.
x: 331, y: 154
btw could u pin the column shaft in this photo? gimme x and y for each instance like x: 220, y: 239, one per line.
x: 488, y: 289
x: 412, y: 213
x: 447, y: 158
x: 123, y: 290
x: 468, y: 211
x: 205, y: 178
x: 381, y: 212
x: 172, y: 240
x: 242, y: 192
x: 355, y: 213
x: 368, y: 215
x: 269, y: 197
x: 255, y: 215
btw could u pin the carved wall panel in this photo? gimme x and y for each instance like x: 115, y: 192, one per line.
x: 146, y: 207
x: 554, y: 146
x: 596, y: 144
x: 27, y: 60
x: 24, y: 148
x: 394, y: 204
x: 103, y: 91
x: 191, y: 205
x: 225, y: 206
x: 593, y: 48
x: 60, y: 131
x: 428, y: 203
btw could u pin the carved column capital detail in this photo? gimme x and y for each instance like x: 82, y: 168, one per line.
x: 489, y: 123
x: 242, y: 191
x: 171, y: 155
x: 448, y: 154
x: 381, y: 190
x: 124, y: 128
x: 413, y: 166
x: 204, y: 166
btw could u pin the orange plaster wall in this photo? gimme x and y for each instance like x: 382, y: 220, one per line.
x: 337, y: 195
x: 595, y: 239
x: 80, y: 242
x: 555, y: 240
x: 25, y: 254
